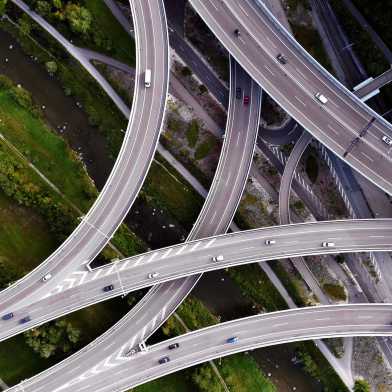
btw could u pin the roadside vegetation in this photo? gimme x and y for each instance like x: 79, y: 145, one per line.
x: 88, y: 23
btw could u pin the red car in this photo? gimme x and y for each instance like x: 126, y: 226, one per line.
x: 246, y: 99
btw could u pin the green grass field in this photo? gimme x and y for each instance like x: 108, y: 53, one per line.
x: 123, y: 44
x: 25, y: 240
x: 47, y: 151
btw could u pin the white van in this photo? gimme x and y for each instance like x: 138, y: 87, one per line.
x: 320, y: 97
x: 147, y: 77
x: 218, y: 258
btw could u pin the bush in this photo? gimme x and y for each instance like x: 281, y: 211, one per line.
x: 192, y: 133
x: 51, y: 67
x: 205, y: 148
x: 335, y: 291
x: 361, y: 386
x: 206, y: 380
x: 53, y: 337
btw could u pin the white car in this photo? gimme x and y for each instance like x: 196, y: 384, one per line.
x: 328, y: 244
x: 153, y: 275
x: 321, y: 98
x: 46, y: 277
x: 270, y: 242
x: 218, y: 258
x: 387, y: 140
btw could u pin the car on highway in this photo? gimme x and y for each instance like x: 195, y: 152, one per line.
x: 164, y: 360
x: 218, y: 258
x: 233, y: 339
x: 321, y: 98
x: 46, y: 277
x: 328, y: 244
x: 7, y: 316
x: 109, y: 287
x: 282, y: 59
x: 387, y: 140
x: 237, y: 33
x: 147, y: 78
x: 153, y: 275
x: 174, y: 346
x: 238, y: 93
x: 246, y: 99
x: 24, y: 320
x: 270, y: 242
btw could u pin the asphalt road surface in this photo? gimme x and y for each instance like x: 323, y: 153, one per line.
x: 212, y: 342
x: 338, y: 123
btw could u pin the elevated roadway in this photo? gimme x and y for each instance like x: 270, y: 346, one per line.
x: 339, y: 123
x: 130, y: 169
x: 194, y: 258
x: 210, y: 343
x: 217, y: 213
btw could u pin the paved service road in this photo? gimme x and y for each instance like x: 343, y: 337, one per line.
x: 210, y: 343
x: 129, y: 171
x: 195, y: 257
x: 338, y: 123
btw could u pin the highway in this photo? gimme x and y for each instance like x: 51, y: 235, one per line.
x: 162, y: 300
x: 211, y: 342
x: 339, y: 123
x: 131, y: 166
x: 195, y: 257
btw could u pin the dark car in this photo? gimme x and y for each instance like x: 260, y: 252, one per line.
x: 25, y: 320
x: 281, y: 58
x: 108, y: 288
x: 238, y: 92
x: 246, y: 99
x: 237, y: 33
x: 173, y: 346
x: 164, y: 360
x: 8, y: 316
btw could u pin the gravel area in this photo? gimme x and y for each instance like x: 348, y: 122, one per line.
x: 369, y: 363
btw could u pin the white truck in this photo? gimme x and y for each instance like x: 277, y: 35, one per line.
x: 147, y: 77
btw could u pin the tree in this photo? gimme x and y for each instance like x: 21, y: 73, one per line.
x: 24, y: 24
x: 51, y: 67
x: 57, y: 4
x: 43, y: 8
x: 53, y: 337
x: 3, y: 4
x: 361, y: 386
x: 79, y: 18
x: 206, y: 380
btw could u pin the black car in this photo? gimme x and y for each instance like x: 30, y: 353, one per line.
x: 238, y: 92
x: 173, y: 346
x: 281, y: 58
x: 7, y: 316
x: 25, y: 320
x: 237, y: 33
x: 164, y: 360
x: 108, y: 288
